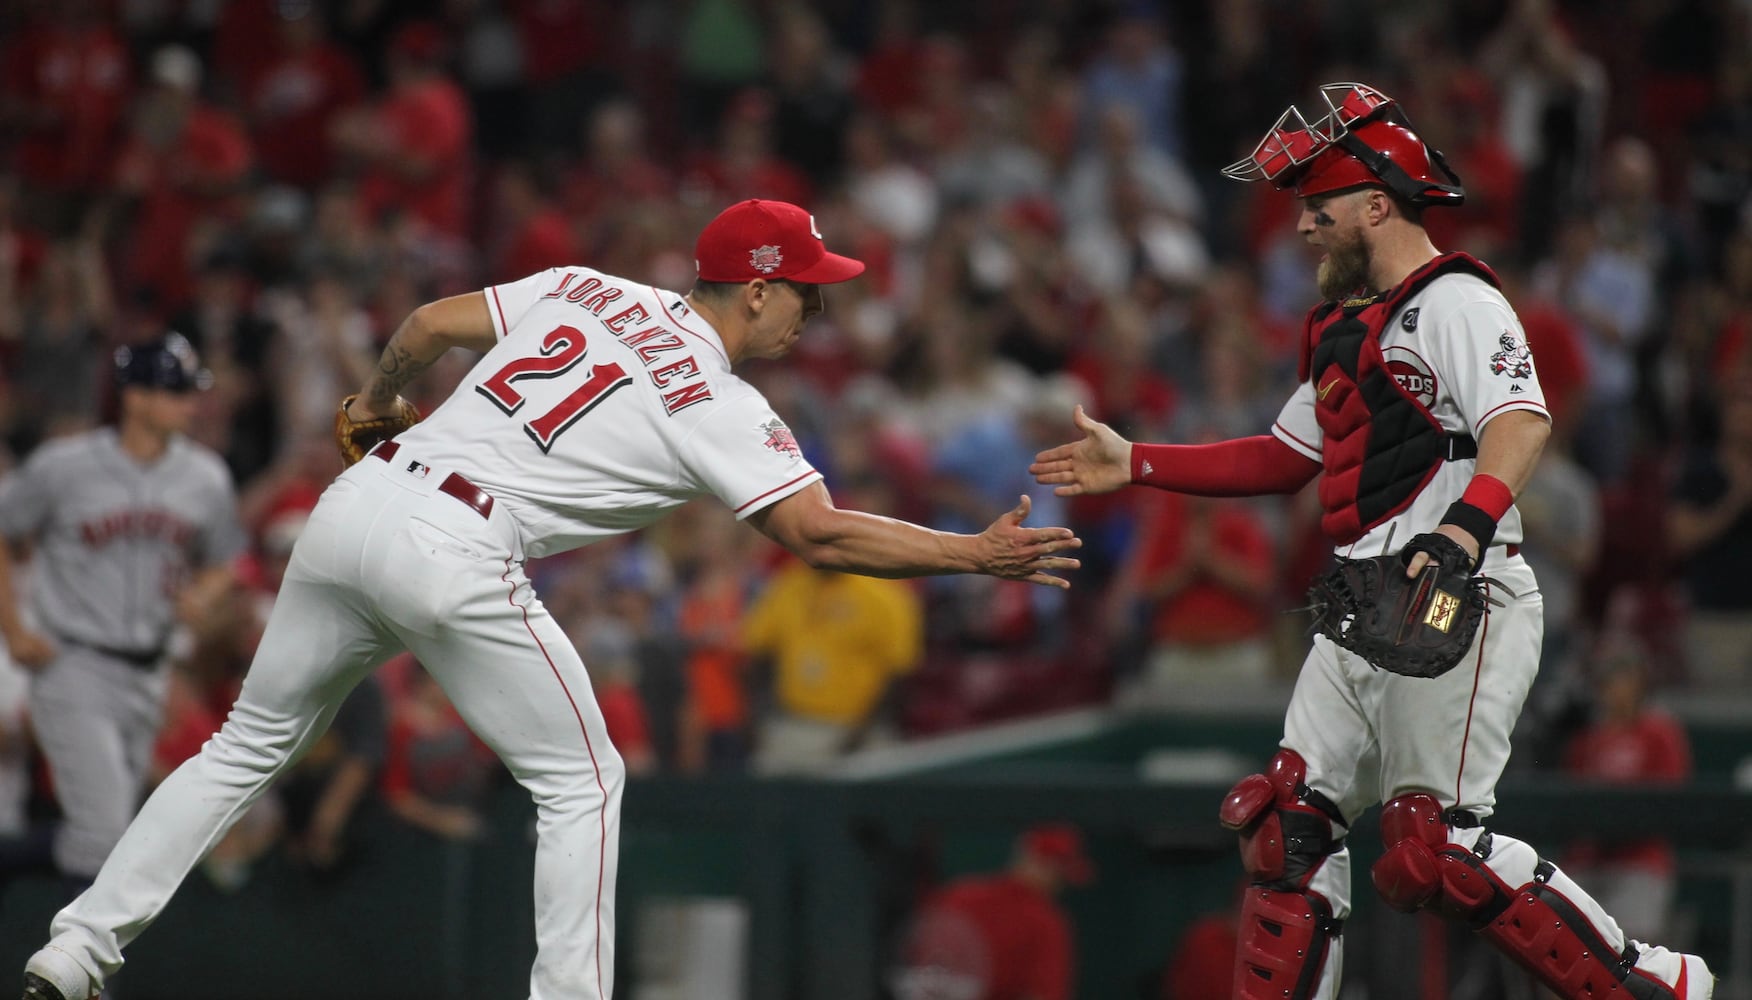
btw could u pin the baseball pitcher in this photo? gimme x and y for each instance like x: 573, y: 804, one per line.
x: 599, y: 405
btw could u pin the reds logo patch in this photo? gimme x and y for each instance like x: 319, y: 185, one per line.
x: 780, y: 439
x: 1412, y: 374
x: 765, y: 259
x: 1514, y: 360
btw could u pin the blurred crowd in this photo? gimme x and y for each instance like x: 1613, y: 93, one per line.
x: 1035, y: 184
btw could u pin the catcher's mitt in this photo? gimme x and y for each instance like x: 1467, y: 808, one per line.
x: 355, y: 438
x: 1417, y: 626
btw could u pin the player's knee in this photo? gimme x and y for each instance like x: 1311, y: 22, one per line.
x: 1253, y: 797
x: 611, y: 770
x: 1422, y: 867
x: 1286, y: 828
x: 1249, y: 801
x: 1408, y: 876
x: 1250, y: 809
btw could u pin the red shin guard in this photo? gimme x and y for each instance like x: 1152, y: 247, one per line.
x: 1286, y: 834
x: 1283, y: 944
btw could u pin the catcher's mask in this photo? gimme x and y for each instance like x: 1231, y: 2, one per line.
x: 1364, y: 138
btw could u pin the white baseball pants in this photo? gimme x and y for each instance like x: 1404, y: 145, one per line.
x: 1369, y: 735
x: 388, y: 562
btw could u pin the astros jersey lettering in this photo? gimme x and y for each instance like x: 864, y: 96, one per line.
x: 115, y: 539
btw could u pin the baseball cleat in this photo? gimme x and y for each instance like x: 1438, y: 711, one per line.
x: 52, y: 974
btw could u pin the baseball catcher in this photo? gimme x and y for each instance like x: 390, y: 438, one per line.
x: 1419, y: 416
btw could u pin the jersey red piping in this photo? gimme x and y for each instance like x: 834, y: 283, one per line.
x: 1279, y: 426
x: 602, y: 814
x: 1471, y: 703
x: 1524, y: 404
x: 504, y: 328
x: 776, y: 489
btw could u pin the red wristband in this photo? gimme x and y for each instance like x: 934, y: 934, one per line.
x: 1489, y: 494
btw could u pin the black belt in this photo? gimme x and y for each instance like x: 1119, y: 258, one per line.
x: 1461, y: 446
x: 139, y: 660
x: 477, y: 499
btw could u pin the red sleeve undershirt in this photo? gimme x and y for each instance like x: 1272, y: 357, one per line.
x: 1238, y: 468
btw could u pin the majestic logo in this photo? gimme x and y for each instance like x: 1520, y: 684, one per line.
x: 1408, y: 320
x: 780, y: 439
x: 1443, y: 605
x: 1514, y: 360
x: 765, y: 259
x: 1412, y: 374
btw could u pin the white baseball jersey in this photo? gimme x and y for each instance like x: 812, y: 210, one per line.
x: 605, y: 405
x: 1459, y: 348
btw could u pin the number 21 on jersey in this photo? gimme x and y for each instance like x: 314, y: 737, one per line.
x: 562, y: 350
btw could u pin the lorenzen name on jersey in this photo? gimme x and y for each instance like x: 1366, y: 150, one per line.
x: 677, y: 378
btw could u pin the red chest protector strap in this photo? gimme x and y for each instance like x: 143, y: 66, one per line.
x: 1380, y: 445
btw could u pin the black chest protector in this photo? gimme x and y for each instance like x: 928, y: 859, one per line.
x: 1381, y: 445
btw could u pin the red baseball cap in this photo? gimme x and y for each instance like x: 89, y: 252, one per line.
x: 1060, y: 845
x: 768, y: 239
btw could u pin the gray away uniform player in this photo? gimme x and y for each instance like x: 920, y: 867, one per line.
x: 121, y: 519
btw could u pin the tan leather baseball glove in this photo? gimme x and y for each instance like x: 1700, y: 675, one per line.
x: 356, y: 438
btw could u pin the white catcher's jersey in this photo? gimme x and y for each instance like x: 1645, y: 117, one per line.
x: 1458, y: 346
x: 606, y: 404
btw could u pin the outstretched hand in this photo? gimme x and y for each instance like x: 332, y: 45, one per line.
x: 1099, y: 463
x: 1014, y: 552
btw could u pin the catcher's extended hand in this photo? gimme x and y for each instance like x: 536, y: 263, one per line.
x: 1098, y: 462
x: 1419, y: 626
x: 356, y: 437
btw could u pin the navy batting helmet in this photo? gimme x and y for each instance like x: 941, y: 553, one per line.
x: 166, y: 363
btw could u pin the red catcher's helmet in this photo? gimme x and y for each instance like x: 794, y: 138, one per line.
x: 1363, y: 139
